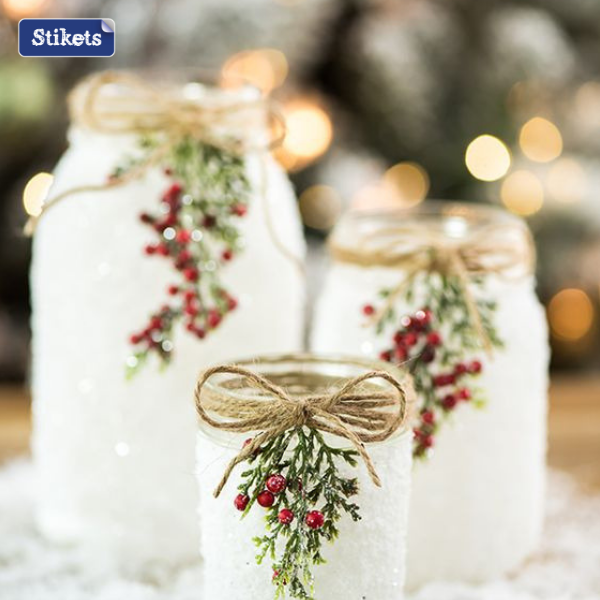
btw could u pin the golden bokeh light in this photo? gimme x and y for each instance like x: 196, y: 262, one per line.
x: 487, y: 158
x: 320, y: 206
x: 522, y: 193
x: 35, y: 193
x: 540, y: 140
x: 410, y: 180
x: 19, y: 9
x: 266, y: 68
x: 567, y: 181
x: 571, y: 314
x: 377, y: 195
x: 309, y: 132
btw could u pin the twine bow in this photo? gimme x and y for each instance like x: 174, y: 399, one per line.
x: 356, y: 414
x: 117, y: 103
x: 491, y: 251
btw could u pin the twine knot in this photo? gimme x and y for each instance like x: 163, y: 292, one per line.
x: 358, y: 413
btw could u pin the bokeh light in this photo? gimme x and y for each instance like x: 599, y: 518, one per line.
x: 540, y: 140
x: 487, y: 158
x: 410, y: 180
x: 522, y: 193
x: 266, y: 68
x: 571, y: 314
x: 587, y: 104
x: 19, y: 9
x: 320, y: 206
x: 35, y: 193
x: 376, y: 195
x: 567, y: 181
x: 309, y: 133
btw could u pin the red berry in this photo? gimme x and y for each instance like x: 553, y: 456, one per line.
x: 191, y: 274
x: 276, y: 483
x: 135, y: 338
x: 407, y: 322
x: 227, y: 255
x: 183, y: 236
x: 191, y: 310
x: 214, y: 318
x: 189, y: 296
x: 200, y: 333
x: 146, y: 218
x: 424, y: 316
x: 427, y: 441
x: 241, y: 501
x: 173, y: 192
x: 464, y: 394
x: 285, y: 516
x: 460, y: 369
x: 239, y: 209
x: 410, y: 339
x: 428, y: 354
x: 315, y: 519
x: 209, y: 222
x: 156, y: 323
x: 398, y: 338
x: 149, y: 249
x: 428, y: 417
x: 475, y: 366
x: 266, y: 499
x: 168, y: 172
x: 434, y: 338
x: 231, y: 303
x: 400, y: 353
x: 173, y: 290
x: 449, y: 401
x: 386, y: 356
x: 368, y: 309
x: 184, y: 256
x: 162, y: 249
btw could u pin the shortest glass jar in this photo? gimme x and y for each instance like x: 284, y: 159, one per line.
x: 310, y: 439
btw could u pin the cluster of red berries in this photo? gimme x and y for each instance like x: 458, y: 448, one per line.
x: 178, y: 246
x: 275, y: 485
x: 417, y: 341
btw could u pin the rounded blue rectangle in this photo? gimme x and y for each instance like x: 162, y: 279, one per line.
x: 66, y: 37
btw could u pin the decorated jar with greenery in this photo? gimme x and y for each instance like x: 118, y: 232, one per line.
x: 448, y: 291
x: 304, y: 469
x: 170, y: 239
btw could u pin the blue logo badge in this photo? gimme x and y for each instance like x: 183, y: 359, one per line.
x: 66, y: 37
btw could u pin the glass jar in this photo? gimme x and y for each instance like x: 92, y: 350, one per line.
x: 478, y: 496
x: 368, y: 558
x: 116, y: 457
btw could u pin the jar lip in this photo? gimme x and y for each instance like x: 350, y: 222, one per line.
x: 308, y: 359
x: 437, y: 209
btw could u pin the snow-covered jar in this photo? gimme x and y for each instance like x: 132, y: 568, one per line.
x: 167, y: 213
x: 316, y: 436
x: 449, y: 288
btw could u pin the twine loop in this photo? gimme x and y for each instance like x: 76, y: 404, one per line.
x: 355, y: 412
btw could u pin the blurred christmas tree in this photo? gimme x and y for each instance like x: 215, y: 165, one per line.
x: 388, y: 101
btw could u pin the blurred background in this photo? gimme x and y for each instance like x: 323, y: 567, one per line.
x: 387, y: 102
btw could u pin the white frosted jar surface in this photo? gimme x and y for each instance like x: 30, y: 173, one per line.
x: 115, y: 457
x: 367, y: 561
x: 477, y: 504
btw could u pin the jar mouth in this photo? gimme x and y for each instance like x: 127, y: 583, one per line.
x: 286, y: 370
x: 456, y: 218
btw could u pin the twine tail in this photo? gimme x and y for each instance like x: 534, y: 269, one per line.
x: 463, y: 277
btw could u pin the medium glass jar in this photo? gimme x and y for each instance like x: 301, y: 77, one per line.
x: 478, y: 494
x: 115, y: 456
x: 368, y: 558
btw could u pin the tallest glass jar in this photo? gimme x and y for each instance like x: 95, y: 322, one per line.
x: 144, y: 269
x: 433, y: 286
